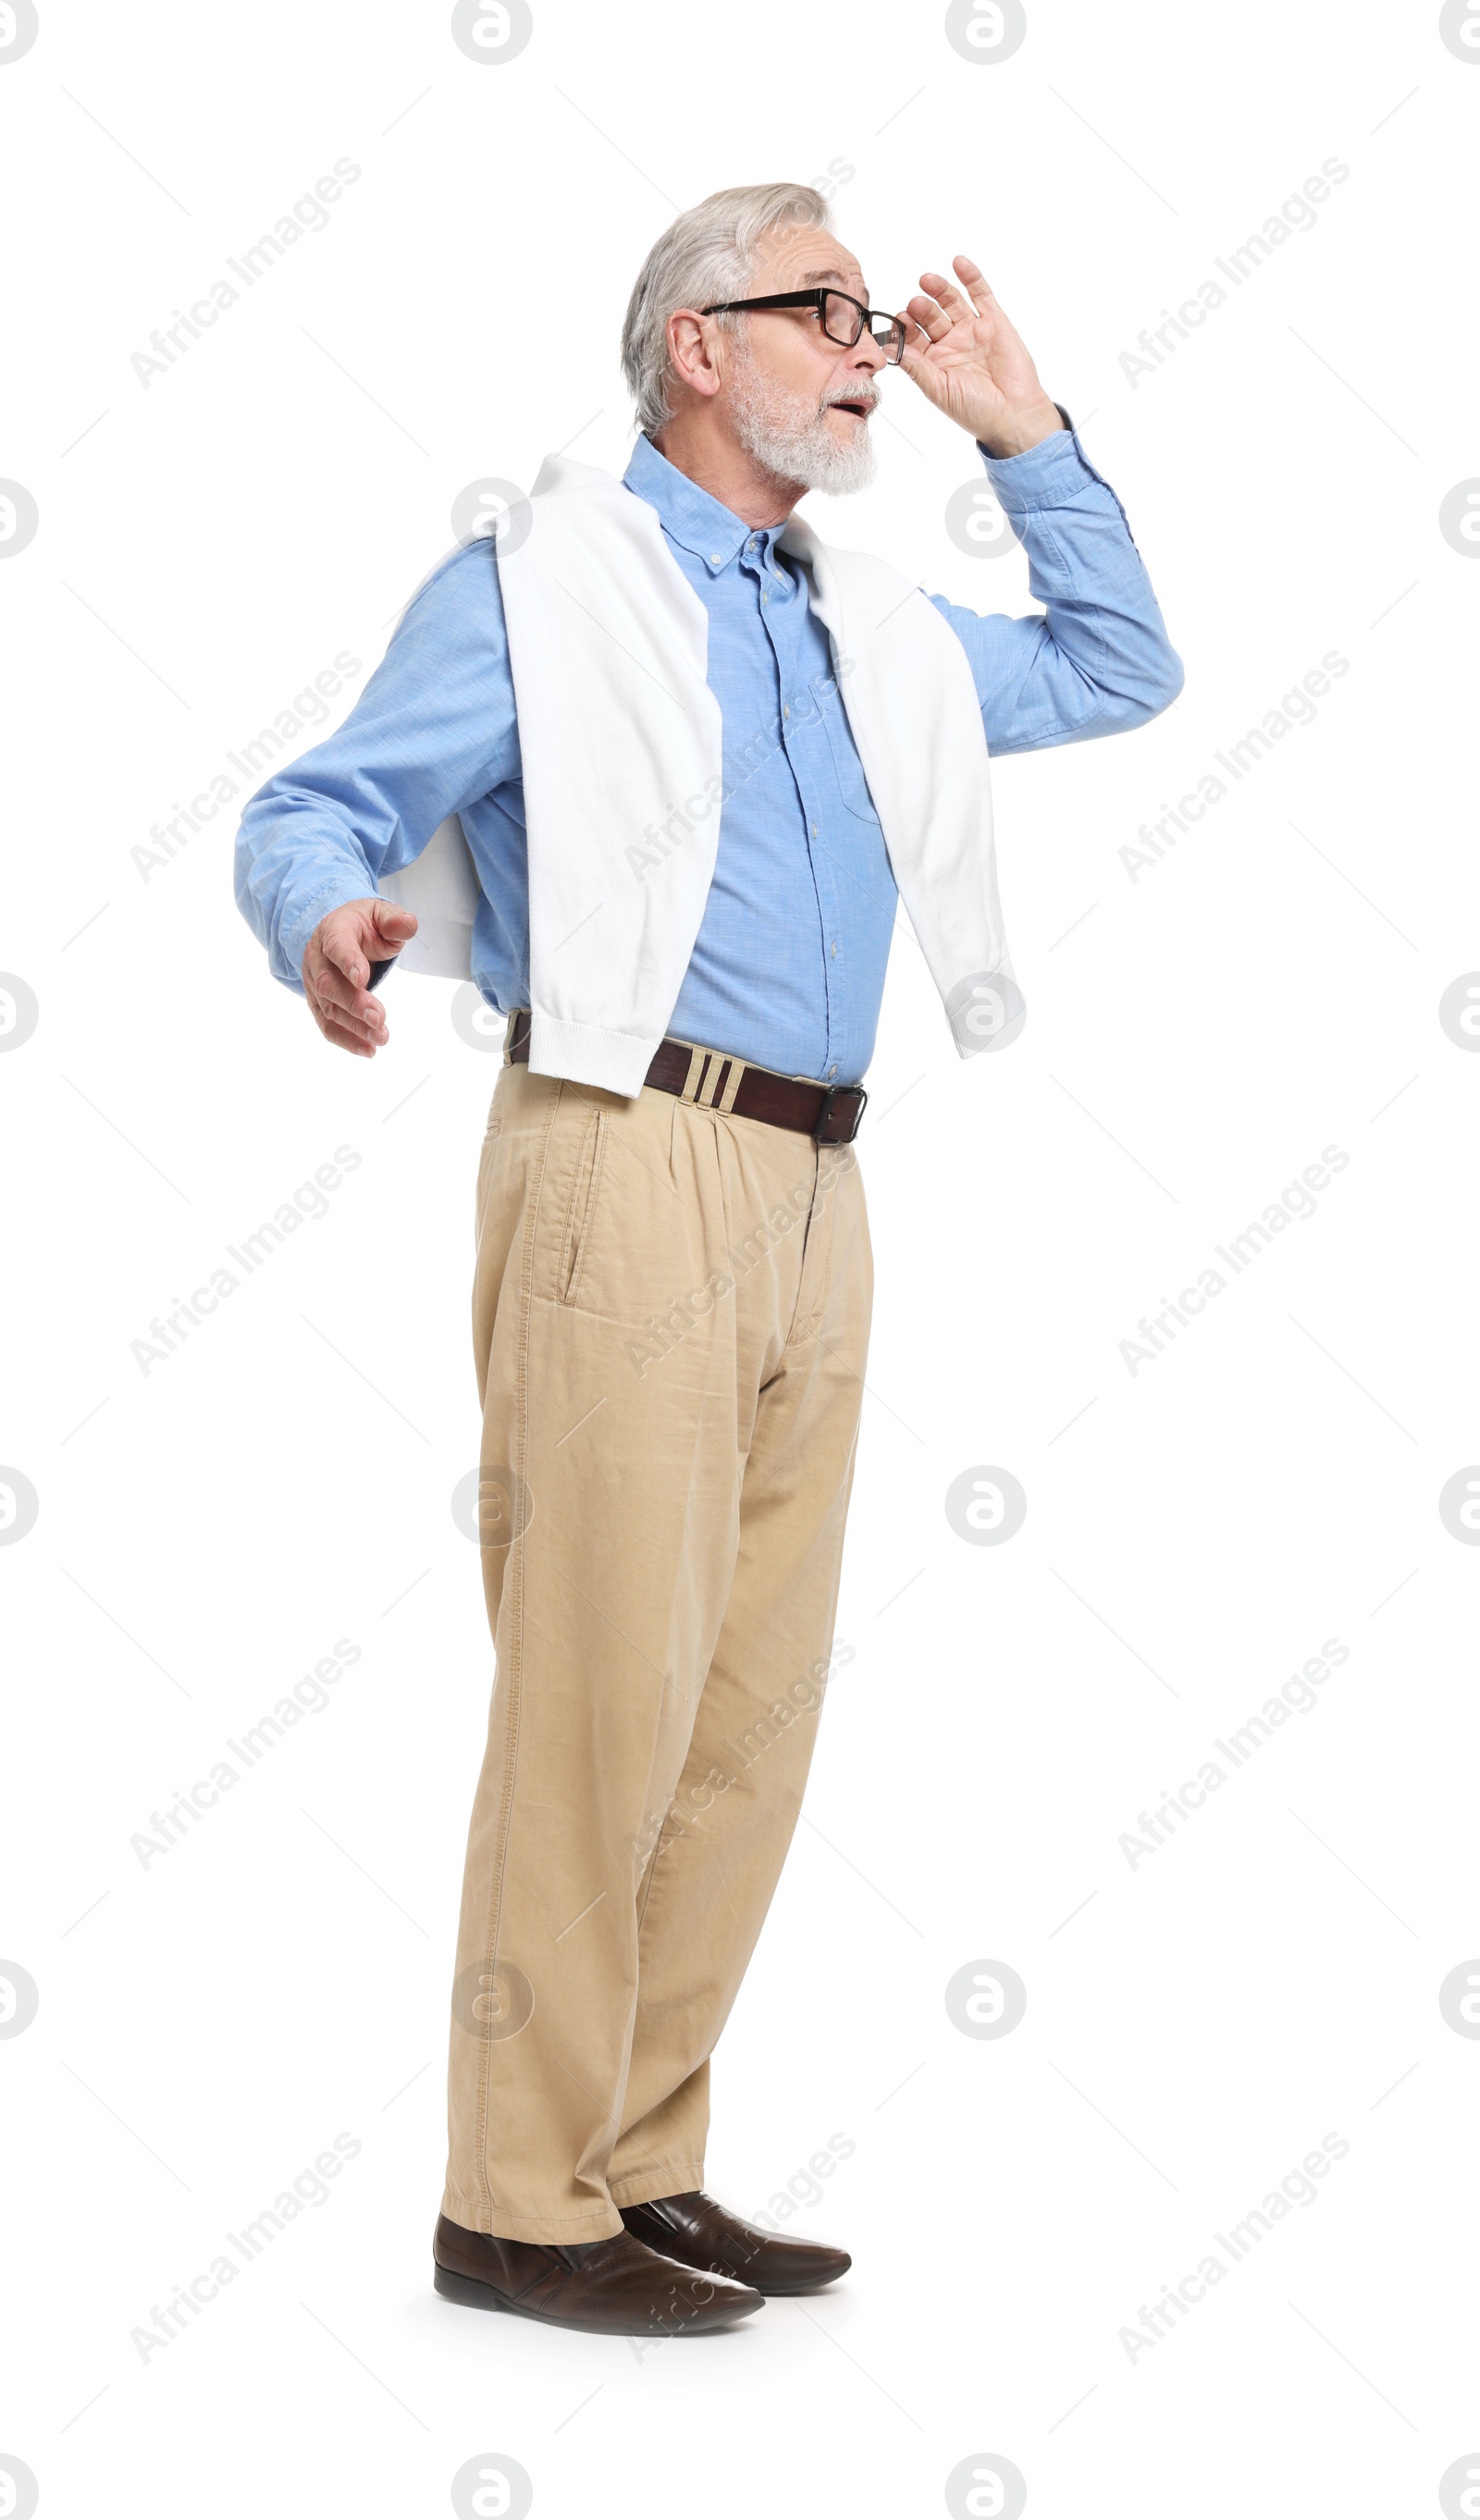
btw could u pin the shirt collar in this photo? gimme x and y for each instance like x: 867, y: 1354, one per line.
x: 690, y: 516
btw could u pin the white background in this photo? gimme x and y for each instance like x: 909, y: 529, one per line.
x: 1195, y: 1530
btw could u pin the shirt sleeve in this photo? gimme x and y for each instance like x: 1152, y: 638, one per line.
x: 433, y: 730
x: 1097, y: 659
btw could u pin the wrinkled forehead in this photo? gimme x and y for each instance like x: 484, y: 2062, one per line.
x: 804, y: 258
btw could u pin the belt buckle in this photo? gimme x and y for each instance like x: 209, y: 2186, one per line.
x: 825, y: 1114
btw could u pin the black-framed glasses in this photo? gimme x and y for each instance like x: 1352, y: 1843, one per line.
x: 842, y: 318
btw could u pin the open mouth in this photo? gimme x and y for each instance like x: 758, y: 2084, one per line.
x: 860, y: 409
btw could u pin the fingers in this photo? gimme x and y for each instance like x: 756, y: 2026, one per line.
x: 924, y: 372
x: 949, y: 297
x: 929, y: 318
x: 342, y: 1040
x: 340, y: 1028
x: 953, y: 306
x: 339, y: 1004
x: 343, y: 946
x: 916, y: 340
x: 973, y: 281
x: 349, y: 938
x: 395, y: 923
x: 336, y: 971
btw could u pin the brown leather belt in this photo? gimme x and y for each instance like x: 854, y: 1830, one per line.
x: 828, y: 1113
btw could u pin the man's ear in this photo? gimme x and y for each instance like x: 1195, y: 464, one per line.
x: 693, y: 349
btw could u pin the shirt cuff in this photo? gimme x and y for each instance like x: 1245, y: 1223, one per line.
x: 1049, y: 474
x: 297, y: 925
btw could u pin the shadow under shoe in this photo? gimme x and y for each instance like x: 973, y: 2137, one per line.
x: 700, y: 2234
x: 614, y: 2287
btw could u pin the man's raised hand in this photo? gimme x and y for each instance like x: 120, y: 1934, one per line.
x: 967, y: 359
x: 336, y: 971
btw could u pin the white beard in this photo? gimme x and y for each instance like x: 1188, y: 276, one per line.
x: 785, y: 431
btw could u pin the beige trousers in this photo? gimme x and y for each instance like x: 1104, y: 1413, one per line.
x: 670, y: 1324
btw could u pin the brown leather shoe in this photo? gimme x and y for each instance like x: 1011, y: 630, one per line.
x: 616, y: 2287
x: 700, y: 2234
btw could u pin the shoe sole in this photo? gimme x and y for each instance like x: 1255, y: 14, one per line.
x: 791, y: 2291
x: 473, y: 2295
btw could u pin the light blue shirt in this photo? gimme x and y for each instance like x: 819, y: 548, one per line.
x: 788, y: 968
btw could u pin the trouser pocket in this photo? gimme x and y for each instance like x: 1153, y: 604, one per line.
x: 580, y: 1207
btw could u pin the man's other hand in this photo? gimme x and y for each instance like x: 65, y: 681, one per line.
x: 967, y: 359
x: 336, y: 971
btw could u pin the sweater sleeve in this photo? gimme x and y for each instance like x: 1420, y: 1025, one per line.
x: 432, y: 731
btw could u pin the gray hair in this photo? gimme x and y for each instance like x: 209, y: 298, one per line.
x: 706, y: 255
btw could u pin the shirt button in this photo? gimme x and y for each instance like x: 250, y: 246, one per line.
x: 835, y: 953
x: 785, y: 709
x: 714, y: 559
x: 814, y: 830
x: 833, y: 1070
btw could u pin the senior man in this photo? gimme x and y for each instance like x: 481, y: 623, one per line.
x: 695, y: 757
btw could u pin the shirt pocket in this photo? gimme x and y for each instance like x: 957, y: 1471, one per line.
x: 852, y: 786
